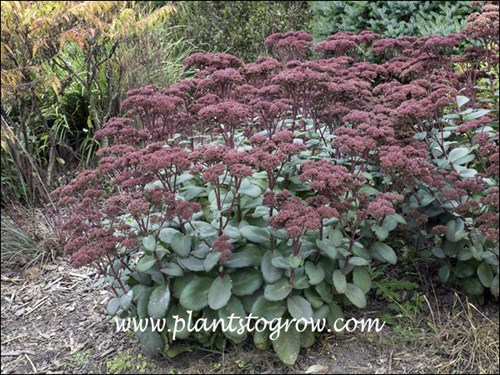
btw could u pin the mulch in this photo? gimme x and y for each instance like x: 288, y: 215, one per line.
x: 49, y: 313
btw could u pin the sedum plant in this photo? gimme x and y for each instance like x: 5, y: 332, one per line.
x: 272, y: 188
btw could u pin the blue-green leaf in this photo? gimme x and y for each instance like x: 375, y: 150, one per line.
x: 220, y: 292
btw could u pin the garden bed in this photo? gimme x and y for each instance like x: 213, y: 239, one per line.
x: 352, y: 176
x: 54, y: 321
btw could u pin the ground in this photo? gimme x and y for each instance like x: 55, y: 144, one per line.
x: 53, y: 321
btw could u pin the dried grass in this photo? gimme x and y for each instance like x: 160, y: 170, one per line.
x: 16, y: 244
x: 465, y: 336
x: 29, y: 236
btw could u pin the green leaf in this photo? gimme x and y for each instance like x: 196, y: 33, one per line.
x: 336, y: 237
x: 149, y: 243
x: 334, y: 313
x: 161, y: 251
x: 246, y: 282
x: 381, y: 232
x: 355, y: 295
x: 464, y: 255
x: 321, y: 312
x: 494, y: 286
x: 339, y: 281
x: 464, y: 270
x: 157, y: 276
x: 192, y: 264
x: 211, y: 260
x: 383, y: 253
x: 166, y: 234
x: 460, y: 156
x: 261, y: 339
x: 174, y: 351
x: 191, y: 191
x: 425, y: 197
x: 490, y: 258
x: 239, y: 260
x: 158, y: 302
x: 181, y: 244
x: 301, y: 281
x: 182, y: 331
x: 368, y: 190
x: 485, y: 274
x: 444, y: 273
x: 151, y: 342
x: 473, y: 286
x: 142, y: 303
x: 172, y: 269
x: 117, y: 266
x: 194, y: 296
x: 281, y: 262
x: 287, y: 346
x: 295, y: 261
x: 255, y: 251
x: 313, y: 298
x: 145, y: 263
x: 476, y: 114
x: 220, y: 292
x: 249, y: 189
x: 307, y: 338
x: 438, y: 253
x: 201, y: 250
x: 232, y: 232
x: 278, y: 291
x: 184, y: 178
x: 315, y: 273
x: 461, y: 100
x: 268, y: 310
x: 358, y: 261
x: 361, y: 277
x: 270, y: 273
x: 391, y: 221
x: 179, y: 283
x: 142, y: 278
x: 299, y: 307
x: 204, y: 229
x: 126, y: 299
x: 255, y: 234
x: 113, y: 306
x: 325, y: 291
x: 327, y: 247
x: 234, y: 307
x: 261, y: 211
x: 359, y: 250
x: 466, y: 172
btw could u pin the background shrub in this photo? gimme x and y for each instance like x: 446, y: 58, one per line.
x: 238, y: 27
x: 64, y: 78
x: 388, y: 18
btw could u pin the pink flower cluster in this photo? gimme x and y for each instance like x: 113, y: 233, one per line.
x: 347, y: 43
x: 295, y: 217
x: 371, y: 107
x: 224, y: 247
x: 328, y: 179
x: 290, y: 46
